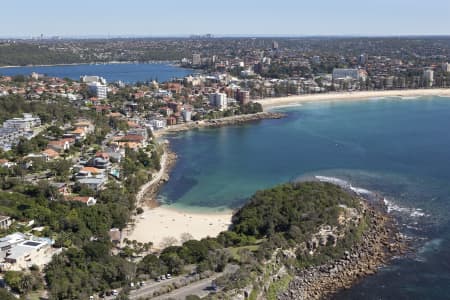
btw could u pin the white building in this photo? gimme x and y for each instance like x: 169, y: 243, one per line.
x: 187, y: 115
x: 428, y: 76
x: 218, y: 100
x: 339, y: 74
x: 92, y: 79
x: 446, y: 67
x: 158, y: 123
x: 196, y: 59
x: 25, y: 123
x: 19, y: 251
x: 98, y: 89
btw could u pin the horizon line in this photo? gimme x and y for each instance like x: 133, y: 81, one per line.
x: 209, y: 35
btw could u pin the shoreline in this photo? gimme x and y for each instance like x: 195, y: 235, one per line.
x: 222, y: 122
x: 165, y: 226
x: 95, y: 63
x: 270, y: 103
x: 378, y: 245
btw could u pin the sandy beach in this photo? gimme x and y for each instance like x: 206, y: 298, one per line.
x: 268, y: 103
x: 157, y: 224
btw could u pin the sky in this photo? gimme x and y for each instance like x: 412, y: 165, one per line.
x: 84, y: 18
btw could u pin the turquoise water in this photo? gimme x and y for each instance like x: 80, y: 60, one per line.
x: 127, y: 72
x: 399, y: 148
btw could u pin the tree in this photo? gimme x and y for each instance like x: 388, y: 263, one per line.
x: 186, y: 237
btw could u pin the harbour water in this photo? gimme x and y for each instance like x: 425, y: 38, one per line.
x: 397, y: 147
x: 126, y: 72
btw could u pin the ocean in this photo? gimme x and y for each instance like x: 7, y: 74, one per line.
x: 399, y: 148
x: 126, y: 72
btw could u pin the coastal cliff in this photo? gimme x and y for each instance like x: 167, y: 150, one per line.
x: 378, y: 244
x: 315, y: 239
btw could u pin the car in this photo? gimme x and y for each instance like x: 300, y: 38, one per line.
x: 162, y: 277
x: 115, y: 292
x: 142, y: 283
x: 157, y: 279
x: 168, y: 276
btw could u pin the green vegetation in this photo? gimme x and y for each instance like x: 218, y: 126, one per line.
x: 59, y: 109
x: 21, y: 54
x: 278, y: 286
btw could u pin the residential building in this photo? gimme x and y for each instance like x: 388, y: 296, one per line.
x: 5, y: 222
x: 98, y: 89
x: 157, y: 123
x: 428, y: 76
x: 446, y: 67
x: 243, y: 97
x: 218, y: 100
x: 94, y: 183
x: 196, y: 59
x: 187, y: 115
x: 28, y: 122
x: 19, y: 252
x: 339, y: 74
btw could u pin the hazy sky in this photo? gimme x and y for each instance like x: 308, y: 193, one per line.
x: 229, y: 17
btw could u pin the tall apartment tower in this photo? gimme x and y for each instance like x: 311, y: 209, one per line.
x: 196, y: 59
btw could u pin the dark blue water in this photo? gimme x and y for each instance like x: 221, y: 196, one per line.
x: 128, y: 73
x: 399, y: 148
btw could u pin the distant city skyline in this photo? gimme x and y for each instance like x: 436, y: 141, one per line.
x: 141, y: 18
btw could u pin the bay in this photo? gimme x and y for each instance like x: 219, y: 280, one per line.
x: 125, y: 72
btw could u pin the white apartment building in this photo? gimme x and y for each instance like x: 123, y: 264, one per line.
x: 339, y: 74
x: 218, y: 100
x: 428, y: 76
x: 98, y: 89
x: 196, y: 59
x: 26, y: 123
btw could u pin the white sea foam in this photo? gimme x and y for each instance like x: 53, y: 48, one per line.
x: 412, y: 212
x: 344, y: 184
x: 391, y: 207
x: 409, y: 97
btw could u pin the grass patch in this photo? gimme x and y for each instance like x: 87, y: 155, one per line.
x: 235, y: 251
x: 278, y: 286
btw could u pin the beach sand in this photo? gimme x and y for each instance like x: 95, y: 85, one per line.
x: 157, y: 224
x: 268, y: 103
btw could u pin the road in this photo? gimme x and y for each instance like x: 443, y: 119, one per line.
x: 151, y: 286
x: 198, y: 288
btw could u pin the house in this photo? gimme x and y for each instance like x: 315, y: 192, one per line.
x: 115, y: 235
x: 78, y: 133
x: 89, y: 201
x: 50, y: 154
x: 5, y: 222
x: 94, y: 183
x: 88, y: 172
x: 6, y: 163
x: 59, y: 145
x: 19, y: 251
x: 99, y: 163
x: 61, y: 187
x: 132, y: 141
x: 86, y: 125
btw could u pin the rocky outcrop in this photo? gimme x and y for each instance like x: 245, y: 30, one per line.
x: 379, y: 243
x: 227, y: 121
